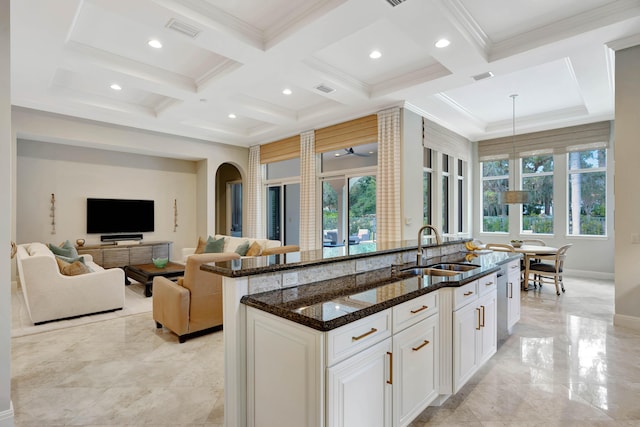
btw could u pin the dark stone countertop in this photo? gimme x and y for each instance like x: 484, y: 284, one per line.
x: 273, y: 263
x: 336, y: 302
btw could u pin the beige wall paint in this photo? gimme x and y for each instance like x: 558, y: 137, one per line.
x: 73, y: 174
x: 627, y: 212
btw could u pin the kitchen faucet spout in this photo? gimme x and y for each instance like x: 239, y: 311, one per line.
x: 435, y: 233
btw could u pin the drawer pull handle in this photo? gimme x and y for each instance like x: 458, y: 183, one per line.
x: 479, y: 325
x: 373, y: 330
x: 466, y: 294
x: 420, y: 346
x: 390, y: 380
x: 510, y: 289
x: 488, y: 284
x: 424, y: 307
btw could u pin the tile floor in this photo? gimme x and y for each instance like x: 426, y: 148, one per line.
x: 565, y: 365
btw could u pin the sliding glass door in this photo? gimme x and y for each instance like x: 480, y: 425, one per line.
x: 283, y: 213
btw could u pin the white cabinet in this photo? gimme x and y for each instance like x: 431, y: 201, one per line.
x: 285, y: 372
x: 415, y: 370
x: 474, y: 329
x: 359, y: 389
x: 508, y: 299
x: 513, y: 294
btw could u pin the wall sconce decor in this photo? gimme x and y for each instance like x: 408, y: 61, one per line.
x: 53, y: 213
x: 175, y: 214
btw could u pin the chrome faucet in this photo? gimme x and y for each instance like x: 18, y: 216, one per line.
x: 435, y: 233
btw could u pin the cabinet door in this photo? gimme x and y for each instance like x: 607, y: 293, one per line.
x: 415, y: 369
x: 513, y: 295
x: 466, y: 324
x: 359, y: 389
x: 140, y: 255
x: 488, y: 340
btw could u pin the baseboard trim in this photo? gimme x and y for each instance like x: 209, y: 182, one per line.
x: 630, y: 322
x: 6, y: 417
x: 590, y: 274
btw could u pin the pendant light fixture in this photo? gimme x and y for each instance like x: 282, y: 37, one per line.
x: 514, y: 197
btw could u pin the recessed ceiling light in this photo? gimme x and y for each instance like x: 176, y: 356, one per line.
x: 375, y: 54
x: 154, y: 43
x: 116, y: 86
x: 337, y: 154
x: 232, y: 116
x: 287, y: 91
x: 442, y: 43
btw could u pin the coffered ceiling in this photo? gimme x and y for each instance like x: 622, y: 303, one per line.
x: 222, y: 57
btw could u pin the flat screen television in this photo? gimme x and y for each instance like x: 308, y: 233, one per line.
x: 119, y: 216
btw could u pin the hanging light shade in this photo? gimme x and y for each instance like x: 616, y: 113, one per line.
x: 514, y: 197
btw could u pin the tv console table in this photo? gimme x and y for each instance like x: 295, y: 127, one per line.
x: 110, y: 255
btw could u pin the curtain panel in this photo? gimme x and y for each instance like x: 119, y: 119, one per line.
x: 309, y: 233
x: 388, y: 200
x: 254, y: 226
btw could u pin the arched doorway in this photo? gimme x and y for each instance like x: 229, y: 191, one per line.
x: 228, y: 200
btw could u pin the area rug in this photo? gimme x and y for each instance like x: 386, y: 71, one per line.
x: 134, y: 303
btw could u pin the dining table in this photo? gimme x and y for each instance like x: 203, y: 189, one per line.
x: 529, y: 253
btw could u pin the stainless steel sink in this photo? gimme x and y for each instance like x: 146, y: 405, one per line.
x: 452, y: 266
x: 428, y: 271
x: 443, y: 269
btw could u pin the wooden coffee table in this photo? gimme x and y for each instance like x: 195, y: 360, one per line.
x: 144, y: 273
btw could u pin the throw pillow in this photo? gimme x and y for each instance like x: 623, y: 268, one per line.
x: 254, y: 250
x: 72, y: 269
x: 243, y: 248
x: 65, y: 249
x: 214, y: 246
x: 200, y: 246
x: 70, y: 259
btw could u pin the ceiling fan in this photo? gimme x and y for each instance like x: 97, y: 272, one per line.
x: 351, y: 151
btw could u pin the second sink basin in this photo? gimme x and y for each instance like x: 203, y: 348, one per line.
x: 455, y: 267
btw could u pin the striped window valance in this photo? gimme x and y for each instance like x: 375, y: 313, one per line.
x: 443, y: 140
x: 285, y: 149
x: 584, y: 137
x: 348, y: 134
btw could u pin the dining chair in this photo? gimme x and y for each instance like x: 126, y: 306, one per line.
x: 534, y: 242
x: 549, y: 272
x: 500, y: 247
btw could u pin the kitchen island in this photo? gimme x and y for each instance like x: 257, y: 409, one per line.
x: 286, y: 318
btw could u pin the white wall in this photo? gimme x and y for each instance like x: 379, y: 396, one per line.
x: 63, y: 131
x: 73, y: 174
x: 6, y: 164
x: 627, y: 213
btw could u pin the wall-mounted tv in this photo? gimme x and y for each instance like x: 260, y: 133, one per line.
x: 119, y: 215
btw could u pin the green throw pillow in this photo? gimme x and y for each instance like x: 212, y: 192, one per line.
x: 65, y: 249
x: 214, y: 246
x: 243, y: 248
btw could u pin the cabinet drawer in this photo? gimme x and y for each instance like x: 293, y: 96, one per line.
x: 487, y: 284
x: 465, y: 294
x: 141, y: 255
x: 115, y: 257
x: 411, y: 312
x: 355, y: 337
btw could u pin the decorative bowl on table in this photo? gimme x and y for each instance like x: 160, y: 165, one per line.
x: 516, y: 243
x: 160, y: 262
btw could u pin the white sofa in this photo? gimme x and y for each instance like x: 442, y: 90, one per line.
x: 231, y: 243
x: 50, y: 295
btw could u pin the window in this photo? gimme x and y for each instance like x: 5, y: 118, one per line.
x: 495, y: 180
x: 587, y: 192
x: 427, y: 179
x: 537, y: 180
x: 349, y: 195
x: 461, y: 195
x: 445, y: 193
x: 283, y: 201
